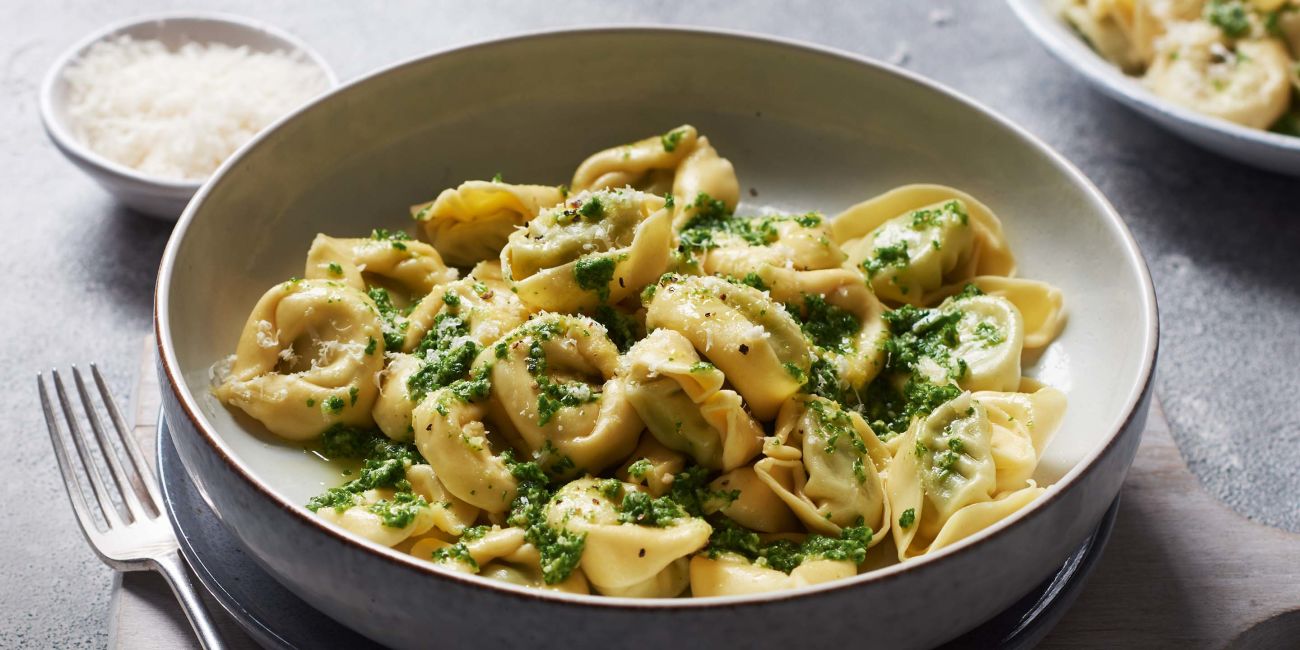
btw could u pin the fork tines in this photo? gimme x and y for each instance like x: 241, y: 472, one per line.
x: 134, y: 497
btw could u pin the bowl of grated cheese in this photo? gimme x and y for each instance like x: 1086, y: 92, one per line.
x: 151, y: 107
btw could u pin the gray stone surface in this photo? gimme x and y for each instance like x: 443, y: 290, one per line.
x: 1221, y: 240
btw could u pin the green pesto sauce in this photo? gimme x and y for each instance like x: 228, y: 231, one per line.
x: 560, y: 550
x: 399, y: 511
x: 886, y: 256
x: 688, y: 496
x: 753, y: 280
x: 457, y: 552
x: 900, y: 394
x: 447, y: 354
x: 785, y: 555
x: 907, y: 518
x: 828, y: 326
x: 383, y: 465
x: 333, y: 405
x: 835, y: 423
x: 594, y: 273
x: 671, y: 139
x: 474, y: 533
x: 593, y: 209
x: 641, y: 509
x: 553, y: 395
x: 712, y: 218
x: 622, y: 329
x: 1230, y: 16
x: 396, y: 237
x: 824, y: 380
x: 795, y: 372
x: 640, y: 468
x: 859, y: 471
x: 989, y: 334
x: 392, y: 319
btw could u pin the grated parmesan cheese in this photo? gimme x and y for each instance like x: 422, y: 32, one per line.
x: 178, y: 114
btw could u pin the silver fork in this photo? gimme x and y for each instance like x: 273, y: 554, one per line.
x: 134, y: 535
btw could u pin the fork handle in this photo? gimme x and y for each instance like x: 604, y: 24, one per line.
x: 175, y: 570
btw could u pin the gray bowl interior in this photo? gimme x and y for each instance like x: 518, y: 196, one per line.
x: 806, y: 129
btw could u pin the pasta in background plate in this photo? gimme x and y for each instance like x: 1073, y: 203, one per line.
x: 624, y: 388
x: 1231, y: 59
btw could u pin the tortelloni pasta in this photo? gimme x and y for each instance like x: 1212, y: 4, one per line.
x: 680, y: 162
x: 556, y: 397
x: 594, y: 248
x: 412, y: 268
x: 915, y: 239
x: 733, y: 575
x: 742, y: 331
x: 824, y: 463
x: 681, y: 400
x: 307, y: 359
x: 1230, y: 59
x: 470, y: 223
x: 443, y: 335
x: 624, y: 557
x: 967, y: 465
x: 634, y: 391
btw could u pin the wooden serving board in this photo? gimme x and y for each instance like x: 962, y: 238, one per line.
x: 1181, y: 569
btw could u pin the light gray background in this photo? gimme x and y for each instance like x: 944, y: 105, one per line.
x: 1221, y: 239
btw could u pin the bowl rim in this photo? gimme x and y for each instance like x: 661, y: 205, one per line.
x: 73, y: 147
x: 1054, y: 35
x: 1138, y: 393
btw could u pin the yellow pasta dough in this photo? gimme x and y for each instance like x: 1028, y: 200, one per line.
x: 470, y: 223
x: 307, y: 359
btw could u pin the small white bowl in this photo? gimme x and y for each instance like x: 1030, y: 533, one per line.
x: 155, y: 196
x: 1263, y: 149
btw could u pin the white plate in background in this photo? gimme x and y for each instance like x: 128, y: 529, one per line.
x: 1263, y: 149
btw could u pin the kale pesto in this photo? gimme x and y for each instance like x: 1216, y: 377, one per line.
x: 785, y: 555
x: 671, y: 139
x: 396, y: 238
x: 989, y: 334
x: 622, y: 329
x: 399, y: 511
x: 552, y: 395
x: 383, y: 465
x: 640, y: 468
x: 594, y: 273
x: 900, y: 393
x: 392, y: 319
x: 333, y: 405
x: 1230, y: 16
x: 446, y: 353
x: 883, y: 257
x: 908, y: 518
x: 712, y: 221
x: 560, y: 550
x: 456, y: 553
x: 826, y: 325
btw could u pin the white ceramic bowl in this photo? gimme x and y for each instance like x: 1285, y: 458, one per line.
x: 164, y: 198
x: 807, y: 128
x: 1263, y: 149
